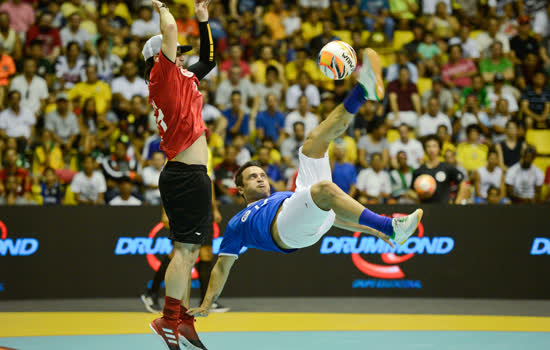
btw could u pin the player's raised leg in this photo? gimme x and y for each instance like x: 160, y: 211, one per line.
x: 370, y: 87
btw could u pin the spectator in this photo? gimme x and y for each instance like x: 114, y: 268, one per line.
x: 237, y: 118
x: 496, y: 63
x: 292, y: 21
x: 486, y: 39
x: 271, y: 122
x: 324, y: 38
x: 51, y: 192
x: 119, y: 165
x: 235, y: 59
x: 235, y: 83
x: 17, y: 121
x: 107, y: 64
x: 458, y: 72
x: 344, y: 173
x: 366, y: 119
x: 442, y: 23
x: 524, y: 43
x: 478, y: 90
x: 11, y: 195
x: 374, y: 142
x: 243, y: 154
x: 404, y: 101
x: 428, y: 50
x: 411, y: 48
x: 33, y: 89
x: 7, y: 69
x: 273, y: 19
x: 21, y: 15
x: 10, y: 40
x: 472, y: 154
x: 146, y: 25
x: 538, y: 10
x: 412, y: 147
x: 535, y: 103
x: 259, y: 67
x: 509, y: 150
x: 494, y: 196
x: 89, y: 185
x: 226, y: 190
x: 445, y: 175
x: 524, y: 180
x: 129, y: 84
x: 349, y: 145
x: 489, y: 176
x: 151, y: 176
x: 69, y: 67
x: 468, y: 45
x: 443, y: 95
x: 446, y: 139
x: 73, y: 32
x: 211, y: 115
x: 497, y: 121
x: 47, y: 154
x: 291, y: 145
x: 275, y: 84
x: 471, y: 114
x: 44, y: 31
x: 500, y: 91
x: 45, y: 68
x: 430, y: 7
x: 273, y: 171
x: 187, y: 26
x: 94, y: 88
x: 377, y: 11
x: 401, y: 179
x: 22, y: 180
x: 302, y: 114
x: 374, y: 184
x: 402, y: 60
x: 303, y: 87
x: 527, y: 70
x: 125, y: 198
x: 404, y: 10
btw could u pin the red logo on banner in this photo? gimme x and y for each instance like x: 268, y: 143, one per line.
x: 384, y: 271
x: 3, y: 231
x: 154, y: 262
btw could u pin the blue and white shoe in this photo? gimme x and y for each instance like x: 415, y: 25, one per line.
x: 370, y: 76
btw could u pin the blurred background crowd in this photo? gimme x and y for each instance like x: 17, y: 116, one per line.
x: 76, y: 126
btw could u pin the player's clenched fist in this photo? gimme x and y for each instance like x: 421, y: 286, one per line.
x: 157, y: 5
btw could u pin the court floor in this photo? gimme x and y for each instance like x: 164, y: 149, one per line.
x: 470, y: 325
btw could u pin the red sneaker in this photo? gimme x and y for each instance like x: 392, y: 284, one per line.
x: 169, y: 335
x: 188, y: 336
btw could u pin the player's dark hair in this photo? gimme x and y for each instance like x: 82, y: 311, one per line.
x: 432, y: 138
x: 239, y: 174
x: 149, y: 63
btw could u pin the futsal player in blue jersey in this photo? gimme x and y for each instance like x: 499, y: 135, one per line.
x: 286, y: 221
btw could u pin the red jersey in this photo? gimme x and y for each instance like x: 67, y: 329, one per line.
x: 175, y: 97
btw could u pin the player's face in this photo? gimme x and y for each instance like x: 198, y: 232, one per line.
x: 255, y: 184
x: 180, y: 58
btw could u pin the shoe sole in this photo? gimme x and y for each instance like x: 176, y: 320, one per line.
x: 148, y: 307
x: 186, y: 344
x: 420, y: 213
x: 376, y: 67
x: 161, y: 339
x: 220, y: 310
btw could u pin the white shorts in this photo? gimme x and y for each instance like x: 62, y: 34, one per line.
x: 301, y: 223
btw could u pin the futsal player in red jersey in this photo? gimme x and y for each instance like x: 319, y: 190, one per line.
x: 184, y: 184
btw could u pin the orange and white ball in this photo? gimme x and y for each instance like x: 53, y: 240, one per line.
x: 425, y: 186
x: 337, y: 60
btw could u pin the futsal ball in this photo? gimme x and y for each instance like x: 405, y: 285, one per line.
x: 425, y: 186
x: 337, y: 60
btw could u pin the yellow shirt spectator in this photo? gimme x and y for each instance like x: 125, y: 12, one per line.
x: 350, y: 149
x: 472, y: 156
x: 310, y: 30
x: 97, y: 89
x: 121, y: 10
x: 259, y: 67
x: 403, y: 9
x: 215, y: 143
x: 293, y: 68
x: 274, y: 21
x: 40, y: 162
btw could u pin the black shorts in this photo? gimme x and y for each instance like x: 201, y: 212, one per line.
x: 186, y: 193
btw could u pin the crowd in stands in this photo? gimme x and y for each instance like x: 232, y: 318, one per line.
x: 467, y: 94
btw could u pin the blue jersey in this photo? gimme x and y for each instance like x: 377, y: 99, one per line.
x: 251, y: 227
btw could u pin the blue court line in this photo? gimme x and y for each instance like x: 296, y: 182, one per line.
x: 351, y: 340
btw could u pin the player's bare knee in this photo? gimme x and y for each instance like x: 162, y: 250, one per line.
x: 187, y: 251
x: 323, y: 193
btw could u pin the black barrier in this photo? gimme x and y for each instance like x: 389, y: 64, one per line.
x: 459, y: 251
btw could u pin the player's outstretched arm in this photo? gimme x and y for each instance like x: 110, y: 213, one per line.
x: 219, y: 275
x: 350, y: 226
x: 168, y: 29
x: 206, y: 57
